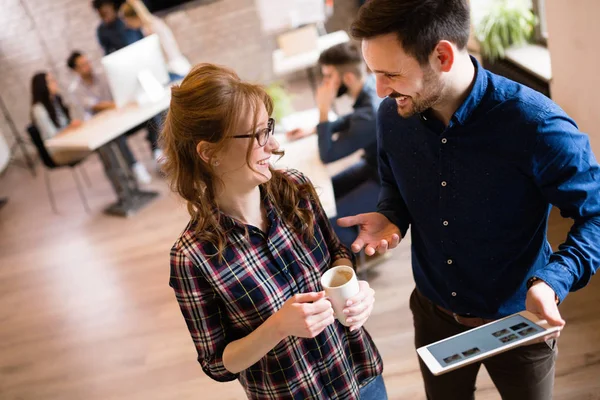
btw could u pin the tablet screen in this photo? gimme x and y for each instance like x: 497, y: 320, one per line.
x: 483, y: 339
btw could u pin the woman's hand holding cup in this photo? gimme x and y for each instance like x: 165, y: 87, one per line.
x: 305, y: 315
x: 358, y: 308
x: 352, y: 300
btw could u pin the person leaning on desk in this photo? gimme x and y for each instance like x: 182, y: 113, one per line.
x: 356, y: 187
x: 91, y: 90
x: 51, y: 116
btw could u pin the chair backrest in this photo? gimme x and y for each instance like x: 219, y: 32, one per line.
x: 38, y: 142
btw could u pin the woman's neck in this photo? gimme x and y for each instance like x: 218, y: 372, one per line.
x: 245, y: 206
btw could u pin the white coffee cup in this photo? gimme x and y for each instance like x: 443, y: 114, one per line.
x: 340, y: 284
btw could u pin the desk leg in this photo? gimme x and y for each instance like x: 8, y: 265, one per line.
x: 130, y: 198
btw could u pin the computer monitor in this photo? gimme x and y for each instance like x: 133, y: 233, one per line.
x: 135, y: 72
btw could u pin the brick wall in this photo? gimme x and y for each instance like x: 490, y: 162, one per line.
x: 39, y: 35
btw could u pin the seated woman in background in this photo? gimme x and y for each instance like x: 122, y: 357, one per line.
x: 51, y: 116
x: 246, y: 270
x: 136, y: 16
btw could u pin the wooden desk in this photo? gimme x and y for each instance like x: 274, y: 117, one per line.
x: 107, y: 126
x: 99, y: 134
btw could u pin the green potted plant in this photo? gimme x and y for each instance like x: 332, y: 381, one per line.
x: 282, y: 101
x: 505, y: 23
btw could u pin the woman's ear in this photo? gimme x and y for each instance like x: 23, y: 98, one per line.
x: 204, y: 151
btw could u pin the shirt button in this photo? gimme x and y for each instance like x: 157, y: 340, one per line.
x: 445, y: 223
x: 444, y: 140
x: 453, y: 294
x: 449, y: 261
x: 444, y: 183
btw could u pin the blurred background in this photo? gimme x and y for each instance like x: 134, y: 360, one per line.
x: 85, y: 307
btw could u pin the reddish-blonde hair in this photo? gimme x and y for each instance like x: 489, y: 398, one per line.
x: 206, y: 107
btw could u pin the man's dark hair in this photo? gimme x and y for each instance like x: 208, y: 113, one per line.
x: 418, y: 24
x: 97, y: 4
x: 72, y: 60
x: 343, y: 56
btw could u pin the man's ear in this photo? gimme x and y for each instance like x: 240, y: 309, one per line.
x: 348, y: 78
x: 444, y: 55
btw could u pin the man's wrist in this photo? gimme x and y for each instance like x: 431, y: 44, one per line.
x: 535, y: 280
x: 323, y: 114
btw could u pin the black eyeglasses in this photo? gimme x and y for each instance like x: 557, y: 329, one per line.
x: 262, y: 136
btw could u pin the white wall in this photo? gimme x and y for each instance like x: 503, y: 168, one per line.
x: 573, y: 35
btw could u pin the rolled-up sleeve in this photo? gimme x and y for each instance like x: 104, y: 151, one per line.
x: 202, y: 310
x: 356, y: 131
x: 568, y: 175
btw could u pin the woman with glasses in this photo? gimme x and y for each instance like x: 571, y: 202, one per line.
x: 246, y: 268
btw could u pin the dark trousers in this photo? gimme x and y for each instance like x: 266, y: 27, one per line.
x: 356, y: 191
x: 524, y: 373
x: 347, y: 180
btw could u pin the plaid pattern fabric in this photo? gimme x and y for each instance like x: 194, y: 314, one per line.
x: 223, y: 301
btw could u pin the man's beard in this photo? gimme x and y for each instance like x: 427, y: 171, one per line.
x: 432, y: 93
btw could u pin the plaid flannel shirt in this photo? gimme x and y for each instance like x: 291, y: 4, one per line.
x: 223, y: 301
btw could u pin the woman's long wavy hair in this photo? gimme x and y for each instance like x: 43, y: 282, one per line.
x: 41, y: 94
x: 206, y: 107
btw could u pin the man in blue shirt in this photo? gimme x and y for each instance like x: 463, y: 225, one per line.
x: 472, y: 162
x: 356, y: 188
x: 112, y: 33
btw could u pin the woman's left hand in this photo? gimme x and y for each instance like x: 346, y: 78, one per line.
x: 358, y: 308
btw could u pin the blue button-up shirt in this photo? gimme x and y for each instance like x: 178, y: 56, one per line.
x: 357, y: 130
x: 116, y: 35
x: 477, y: 194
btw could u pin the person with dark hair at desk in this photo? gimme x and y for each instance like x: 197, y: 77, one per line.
x: 92, y: 92
x: 52, y: 117
x: 112, y: 32
x: 356, y: 188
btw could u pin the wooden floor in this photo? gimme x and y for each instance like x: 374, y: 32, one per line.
x: 86, y: 311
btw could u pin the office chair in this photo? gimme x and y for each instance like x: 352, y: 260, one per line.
x: 49, y: 163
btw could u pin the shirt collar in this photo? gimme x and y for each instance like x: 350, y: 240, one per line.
x: 474, y: 98
x: 230, y: 223
x: 364, y: 95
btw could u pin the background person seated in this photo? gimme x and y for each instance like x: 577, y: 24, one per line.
x: 112, y: 33
x: 356, y: 188
x: 91, y: 91
x: 137, y: 17
x: 52, y: 117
